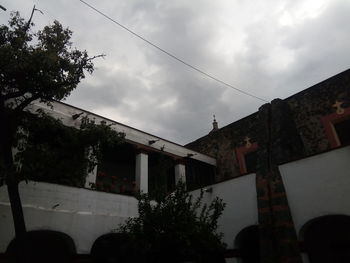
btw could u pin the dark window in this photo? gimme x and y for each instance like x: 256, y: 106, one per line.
x: 247, y: 241
x: 250, y: 161
x: 161, y: 174
x: 327, y: 239
x: 343, y: 131
x: 116, y: 172
x: 199, y: 174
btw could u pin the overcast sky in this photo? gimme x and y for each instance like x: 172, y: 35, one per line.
x: 269, y: 48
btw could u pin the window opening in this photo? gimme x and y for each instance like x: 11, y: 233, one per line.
x: 327, y: 239
x: 342, y: 129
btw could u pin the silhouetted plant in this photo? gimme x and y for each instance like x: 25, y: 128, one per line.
x: 177, y: 227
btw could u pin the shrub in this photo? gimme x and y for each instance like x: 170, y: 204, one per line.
x: 177, y: 228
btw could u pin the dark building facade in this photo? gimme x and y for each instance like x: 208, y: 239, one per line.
x: 308, y: 123
x: 313, y: 121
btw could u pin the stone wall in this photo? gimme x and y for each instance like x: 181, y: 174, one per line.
x: 310, y: 105
x: 301, y: 115
x: 220, y: 144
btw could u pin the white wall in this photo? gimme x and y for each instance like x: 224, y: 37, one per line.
x: 319, y: 185
x: 315, y: 186
x: 241, y: 205
x: 82, y: 214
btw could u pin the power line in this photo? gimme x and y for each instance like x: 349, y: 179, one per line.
x: 171, y: 55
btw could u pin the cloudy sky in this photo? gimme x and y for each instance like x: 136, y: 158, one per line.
x: 269, y: 48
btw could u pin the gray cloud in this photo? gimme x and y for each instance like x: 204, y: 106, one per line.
x: 269, y: 49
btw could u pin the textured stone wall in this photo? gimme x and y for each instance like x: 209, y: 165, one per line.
x: 311, y: 104
x: 301, y: 114
x: 221, y: 145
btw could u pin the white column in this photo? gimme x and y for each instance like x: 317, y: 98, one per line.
x: 142, y: 172
x: 90, y: 180
x: 180, y: 173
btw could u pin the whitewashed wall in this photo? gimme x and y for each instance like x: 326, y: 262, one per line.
x: 319, y: 185
x: 82, y: 214
x: 241, y: 205
x: 315, y: 186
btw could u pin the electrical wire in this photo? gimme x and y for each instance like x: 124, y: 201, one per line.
x: 171, y: 55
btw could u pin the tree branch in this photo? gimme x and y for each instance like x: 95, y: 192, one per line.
x: 31, y: 16
x: 98, y: 56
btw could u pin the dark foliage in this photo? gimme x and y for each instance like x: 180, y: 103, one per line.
x: 38, y: 65
x: 51, y: 152
x: 177, y: 228
x: 42, y: 66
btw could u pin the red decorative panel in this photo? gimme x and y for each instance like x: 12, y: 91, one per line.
x: 328, y: 122
x: 241, y: 152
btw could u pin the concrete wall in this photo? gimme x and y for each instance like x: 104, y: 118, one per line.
x: 82, y: 214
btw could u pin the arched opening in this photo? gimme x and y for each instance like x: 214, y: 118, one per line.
x: 247, y: 241
x: 116, y: 247
x: 327, y: 239
x: 44, y: 246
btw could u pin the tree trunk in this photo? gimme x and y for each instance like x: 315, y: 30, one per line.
x: 16, y: 208
x: 7, y: 131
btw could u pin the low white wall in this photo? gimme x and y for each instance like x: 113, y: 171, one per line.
x: 241, y: 209
x: 315, y: 186
x: 82, y: 214
x: 318, y: 185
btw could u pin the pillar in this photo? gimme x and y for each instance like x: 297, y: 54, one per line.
x: 142, y: 172
x: 90, y: 180
x: 278, y: 237
x: 180, y: 173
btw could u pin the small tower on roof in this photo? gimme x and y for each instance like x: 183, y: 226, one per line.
x: 215, y: 125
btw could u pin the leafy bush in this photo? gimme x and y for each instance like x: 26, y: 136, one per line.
x: 177, y: 228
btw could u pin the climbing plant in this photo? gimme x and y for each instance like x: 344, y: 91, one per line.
x: 51, y: 152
